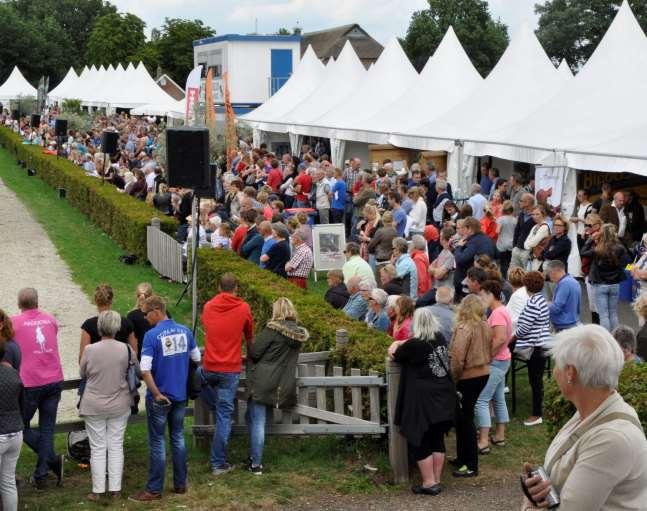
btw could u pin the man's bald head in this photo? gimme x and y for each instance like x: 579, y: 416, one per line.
x: 27, y: 298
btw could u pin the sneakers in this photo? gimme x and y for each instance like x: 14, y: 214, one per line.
x: 39, y: 484
x: 464, y: 472
x: 257, y: 470
x: 145, y: 496
x: 218, y: 471
x: 58, y: 467
x: 533, y: 421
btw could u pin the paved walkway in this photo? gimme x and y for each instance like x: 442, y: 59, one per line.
x: 29, y: 259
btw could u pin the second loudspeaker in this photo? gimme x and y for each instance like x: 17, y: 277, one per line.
x: 109, y: 142
x: 187, y: 156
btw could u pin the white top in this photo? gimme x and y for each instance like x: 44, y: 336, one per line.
x: 418, y: 215
x: 516, y: 304
x: 478, y: 205
x: 581, y: 216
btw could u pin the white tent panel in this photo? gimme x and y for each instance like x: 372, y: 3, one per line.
x: 305, y: 79
x: 172, y: 108
x: 68, y: 83
x: 16, y: 86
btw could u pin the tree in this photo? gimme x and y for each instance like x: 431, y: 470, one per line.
x: 483, y: 38
x: 115, y: 38
x: 572, y: 29
x: 283, y: 31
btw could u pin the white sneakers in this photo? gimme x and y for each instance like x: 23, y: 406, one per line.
x: 535, y: 422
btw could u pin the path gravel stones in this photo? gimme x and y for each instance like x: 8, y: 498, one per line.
x: 29, y: 259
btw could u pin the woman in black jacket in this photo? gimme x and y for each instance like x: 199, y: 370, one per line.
x: 559, y: 246
x: 608, y: 260
x: 272, y: 378
x: 426, y: 397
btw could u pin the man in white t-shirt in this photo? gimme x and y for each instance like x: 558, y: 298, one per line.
x: 477, y: 201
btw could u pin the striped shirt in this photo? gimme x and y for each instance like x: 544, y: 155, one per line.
x: 533, y: 325
x: 351, y: 177
x: 301, y: 262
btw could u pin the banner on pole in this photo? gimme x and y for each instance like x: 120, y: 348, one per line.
x: 192, y: 94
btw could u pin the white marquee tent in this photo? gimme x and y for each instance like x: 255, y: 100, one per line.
x: 59, y: 93
x: 16, y: 86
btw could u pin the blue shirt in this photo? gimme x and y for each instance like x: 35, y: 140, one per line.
x: 405, y: 265
x: 486, y: 185
x: 379, y: 321
x: 267, y: 244
x: 356, y: 307
x: 565, y: 309
x: 338, y: 195
x: 167, y: 347
x: 400, y: 219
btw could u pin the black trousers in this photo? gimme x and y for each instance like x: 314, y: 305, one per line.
x: 336, y: 216
x: 504, y: 262
x: 466, y: 444
x: 536, y: 366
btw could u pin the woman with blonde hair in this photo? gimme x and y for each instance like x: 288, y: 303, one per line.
x: 137, y: 317
x: 366, y: 229
x: 272, y: 377
x: 470, y: 355
x: 418, y: 213
x: 103, y: 296
x: 401, y: 327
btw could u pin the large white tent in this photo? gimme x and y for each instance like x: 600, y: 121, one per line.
x: 598, y: 121
x: 173, y: 108
x: 387, y: 80
x: 16, y: 86
x: 60, y: 92
x: 305, y: 79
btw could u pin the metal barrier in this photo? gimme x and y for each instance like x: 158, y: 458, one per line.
x: 164, y: 252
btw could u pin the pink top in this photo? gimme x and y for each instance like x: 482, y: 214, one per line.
x: 36, y: 334
x: 501, y: 317
x: 404, y: 332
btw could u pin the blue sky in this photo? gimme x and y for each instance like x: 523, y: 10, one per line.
x: 381, y: 18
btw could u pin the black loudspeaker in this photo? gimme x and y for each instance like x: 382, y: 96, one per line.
x: 35, y: 120
x: 60, y: 127
x: 15, y: 115
x: 109, y: 141
x: 187, y: 157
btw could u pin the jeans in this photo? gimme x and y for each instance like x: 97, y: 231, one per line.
x: 106, y: 436
x: 255, y: 419
x: 466, y: 446
x: 220, y: 395
x: 337, y: 216
x: 536, y: 366
x: 157, y: 417
x: 493, y: 391
x: 9, y: 451
x: 41, y: 440
x: 606, y: 301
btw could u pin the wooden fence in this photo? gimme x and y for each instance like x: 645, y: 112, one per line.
x: 164, y: 252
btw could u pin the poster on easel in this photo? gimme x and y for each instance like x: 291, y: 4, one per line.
x: 328, y: 245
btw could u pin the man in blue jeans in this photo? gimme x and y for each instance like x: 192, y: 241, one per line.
x: 165, y: 367
x: 227, y: 318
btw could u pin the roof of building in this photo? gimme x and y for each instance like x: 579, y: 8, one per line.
x: 169, y: 86
x: 329, y: 43
x: 247, y: 38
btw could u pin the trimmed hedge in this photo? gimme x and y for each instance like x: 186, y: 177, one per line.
x: 122, y: 217
x: 632, y: 386
x: 366, y: 348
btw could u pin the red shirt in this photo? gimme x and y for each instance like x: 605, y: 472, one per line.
x: 421, y: 261
x: 238, y: 237
x: 274, y: 179
x: 226, y: 319
x: 306, y: 185
x: 488, y: 226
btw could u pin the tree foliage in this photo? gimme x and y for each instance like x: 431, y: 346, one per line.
x: 483, y: 38
x: 174, y: 45
x: 115, y: 38
x: 572, y: 29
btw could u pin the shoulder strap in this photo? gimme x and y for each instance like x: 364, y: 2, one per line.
x: 576, y: 435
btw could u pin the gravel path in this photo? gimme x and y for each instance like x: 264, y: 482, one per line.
x: 29, y: 259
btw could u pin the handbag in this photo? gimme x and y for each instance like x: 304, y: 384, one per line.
x: 132, y: 374
x: 459, y: 395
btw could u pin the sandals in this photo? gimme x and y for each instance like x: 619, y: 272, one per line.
x: 484, y: 450
x: 498, y: 443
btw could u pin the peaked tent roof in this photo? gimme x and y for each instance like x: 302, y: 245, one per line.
x: 343, y: 77
x: 523, y: 79
x: 306, y: 77
x: 448, y: 78
x: 16, y: 86
x: 391, y: 76
x: 598, y: 120
x: 68, y: 83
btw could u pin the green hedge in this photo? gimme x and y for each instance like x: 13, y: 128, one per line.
x: 366, y: 348
x: 632, y: 387
x: 122, y: 217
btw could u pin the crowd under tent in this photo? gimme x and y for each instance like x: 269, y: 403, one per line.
x: 16, y: 86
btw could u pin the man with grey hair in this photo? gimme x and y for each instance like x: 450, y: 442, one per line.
x: 321, y: 196
x: 299, y: 266
x: 443, y: 311
x: 477, y: 201
x: 405, y: 267
x: 565, y: 307
x: 525, y: 223
x: 36, y: 333
x: 357, y: 305
x: 626, y: 339
x: 438, y: 207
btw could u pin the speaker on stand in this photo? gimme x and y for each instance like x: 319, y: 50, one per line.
x: 109, y: 146
x: 60, y: 131
x: 187, y: 166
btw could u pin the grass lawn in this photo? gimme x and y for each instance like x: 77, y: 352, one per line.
x: 295, y: 466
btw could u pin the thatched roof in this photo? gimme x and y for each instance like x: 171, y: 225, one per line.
x: 329, y: 43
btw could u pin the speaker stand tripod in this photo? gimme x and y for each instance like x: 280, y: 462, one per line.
x: 192, y: 281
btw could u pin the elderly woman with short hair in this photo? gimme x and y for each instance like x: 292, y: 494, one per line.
x: 598, y: 459
x: 421, y: 260
x: 105, y: 403
x: 376, y: 317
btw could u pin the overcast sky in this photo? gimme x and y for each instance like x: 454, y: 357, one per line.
x: 381, y: 18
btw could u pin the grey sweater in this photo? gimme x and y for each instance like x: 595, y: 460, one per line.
x: 10, y: 405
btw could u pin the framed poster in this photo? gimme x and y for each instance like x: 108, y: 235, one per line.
x: 328, y: 244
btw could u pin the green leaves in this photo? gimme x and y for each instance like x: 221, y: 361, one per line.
x: 483, y: 38
x: 115, y: 38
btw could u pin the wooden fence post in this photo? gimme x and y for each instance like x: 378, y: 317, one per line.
x: 155, y: 223
x: 201, y: 417
x: 398, y: 452
x: 341, y: 337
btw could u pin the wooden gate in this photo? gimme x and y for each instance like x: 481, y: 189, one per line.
x: 164, y: 252
x: 328, y: 403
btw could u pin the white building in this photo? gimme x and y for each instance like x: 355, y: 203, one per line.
x: 258, y: 65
